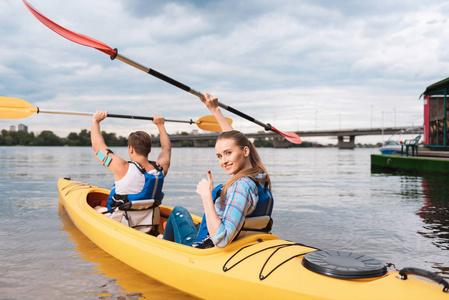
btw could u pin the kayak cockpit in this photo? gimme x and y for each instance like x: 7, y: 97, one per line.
x: 95, y: 199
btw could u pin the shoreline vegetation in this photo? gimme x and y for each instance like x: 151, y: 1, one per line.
x: 48, y: 138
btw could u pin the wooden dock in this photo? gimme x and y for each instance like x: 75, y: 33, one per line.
x: 427, y: 153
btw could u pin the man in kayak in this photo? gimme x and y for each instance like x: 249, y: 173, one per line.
x: 245, y: 194
x: 138, y: 179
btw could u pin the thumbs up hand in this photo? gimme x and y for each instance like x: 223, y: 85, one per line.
x: 205, y: 186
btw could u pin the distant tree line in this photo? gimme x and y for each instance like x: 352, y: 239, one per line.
x: 48, y: 138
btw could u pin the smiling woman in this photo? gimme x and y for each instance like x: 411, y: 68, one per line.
x: 246, y: 194
x: 232, y: 156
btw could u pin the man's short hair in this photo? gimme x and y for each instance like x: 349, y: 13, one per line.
x: 141, y: 142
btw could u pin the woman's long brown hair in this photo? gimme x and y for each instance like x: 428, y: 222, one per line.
x: 257, y: 166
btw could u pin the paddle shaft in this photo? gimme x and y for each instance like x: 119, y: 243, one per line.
x: 146, y: 118
x: 109, y: 116
x: 185, y: 88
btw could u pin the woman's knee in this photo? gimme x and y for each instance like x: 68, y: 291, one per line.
x: 179, y: 210
x: 177, y: 223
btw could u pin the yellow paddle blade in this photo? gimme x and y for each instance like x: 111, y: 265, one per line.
x: 209, y: 123
x: 15, y: 108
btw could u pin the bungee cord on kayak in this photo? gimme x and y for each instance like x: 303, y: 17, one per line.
x: 277, y: 247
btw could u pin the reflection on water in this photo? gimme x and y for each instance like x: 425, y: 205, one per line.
x: 433, y: 210
x: 131, y: 285
x: 435, y: 213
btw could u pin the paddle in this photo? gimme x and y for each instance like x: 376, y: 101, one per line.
x: 113, y: 53
x: 15, y: 108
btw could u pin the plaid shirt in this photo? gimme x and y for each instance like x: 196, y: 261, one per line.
x: 241, y: 199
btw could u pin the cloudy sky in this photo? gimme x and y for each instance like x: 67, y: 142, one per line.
x: 299, y: 65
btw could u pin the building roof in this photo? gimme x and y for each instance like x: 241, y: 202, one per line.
x: 439, y: 86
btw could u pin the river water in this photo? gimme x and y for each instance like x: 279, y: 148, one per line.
x: 324, y: 197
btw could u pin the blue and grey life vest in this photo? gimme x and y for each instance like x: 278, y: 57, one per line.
x: 264, y: 207
x: 152, y: 188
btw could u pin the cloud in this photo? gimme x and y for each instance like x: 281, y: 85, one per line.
x: 299, y: 65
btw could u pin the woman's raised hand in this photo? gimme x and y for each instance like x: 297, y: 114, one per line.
x: 210, y: 101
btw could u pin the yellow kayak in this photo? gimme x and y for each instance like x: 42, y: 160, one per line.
x: 259, y: 266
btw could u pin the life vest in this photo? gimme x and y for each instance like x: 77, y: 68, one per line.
x: 264, y: 207
x: 152, y: 188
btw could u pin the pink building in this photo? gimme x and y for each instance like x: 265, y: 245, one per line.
x: 436, y: 124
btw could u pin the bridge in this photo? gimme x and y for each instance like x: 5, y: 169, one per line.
x: 346, y: 137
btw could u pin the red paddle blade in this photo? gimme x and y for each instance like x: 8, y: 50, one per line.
x: 70, y: 35
x: 289, y: 136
